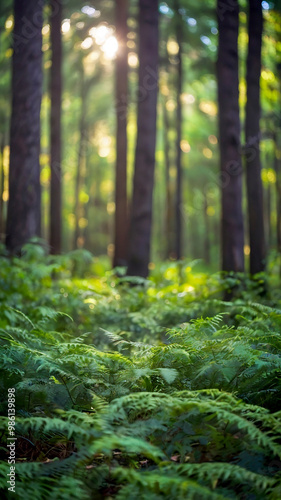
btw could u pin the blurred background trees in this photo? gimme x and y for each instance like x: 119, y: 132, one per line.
x: 93, y: 172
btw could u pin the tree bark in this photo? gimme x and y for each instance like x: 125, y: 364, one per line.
x: 232, y: 231
x: 253, y: 164
x: 169, y: 195
x: 141, y: 219
x: 121, y: 208
x: 178, y: 140
x: 55, y: 125
x: 23, y: 219
x: 81, y: 154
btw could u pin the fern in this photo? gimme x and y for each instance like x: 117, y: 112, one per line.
x: 158, y: 390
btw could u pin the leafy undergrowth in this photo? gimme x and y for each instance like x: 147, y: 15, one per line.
x: 151, y: 391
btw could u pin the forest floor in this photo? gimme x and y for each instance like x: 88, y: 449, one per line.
x: 157, y: 390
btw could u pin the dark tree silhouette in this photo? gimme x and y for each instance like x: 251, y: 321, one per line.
x: 141, y: 217
x: 24, y: 214
x: 121, y: 209
x: 253, y: 164
x: 229, y: 134
x: 55, y: 126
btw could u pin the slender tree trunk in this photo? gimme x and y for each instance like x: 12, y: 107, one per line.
x: 23, y: 220
x: 81, y: 154
x: 278, y: 201
x: 268, y: 213
x: 2, y: 180
x: 229, y: 131
x: 121, y: 208
x: 178, y: 143
x: 207, y: 232
x: 88, y: 187
x: 55, y: 126
x: 169, y: 208
x: 267, y: 197
x: 253, y: 164
x: 141, y: 219
x: 159, y: 217
x: 277, y: 167
x: 86, y: 229
x: 194, y: 237
x: 89, y: 230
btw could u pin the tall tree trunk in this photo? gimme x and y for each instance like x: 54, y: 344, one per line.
x: 121, y: 209
x: 267, y: 196
x: 253, y: 164
x: 194, y: 236
x: 88, y: 184
x: 24, y: 214
x: 158, y: 227
x: 81, y: 154
x: 169, y: 211
x: 55, y: 126
x: 141, y: 219
x: 179, y: 136
x: 277, y: 167
x: 229, y: 131
x: 268, y: 214
x: 86, y: 229
x: 207, y: 231
x: 2, y: 180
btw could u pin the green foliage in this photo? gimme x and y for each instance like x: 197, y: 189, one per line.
x: 157, y: 390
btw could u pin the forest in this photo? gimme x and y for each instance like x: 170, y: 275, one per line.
x: 140, y: 249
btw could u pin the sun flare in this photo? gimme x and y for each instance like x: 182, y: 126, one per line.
x: 110, y: 47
